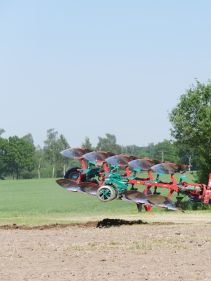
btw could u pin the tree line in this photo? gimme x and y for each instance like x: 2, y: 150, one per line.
x: 191, y: 132
x: 19, y: 158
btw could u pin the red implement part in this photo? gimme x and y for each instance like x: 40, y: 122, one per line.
x: 141, y: 181
x: 83, y: 165
x: 207, y: 196
x: 105, y: 167
x: 207, y: 192
x: 147, y: 208
x: 172, y: 186
x: 209, y: 182
x: 127, y: 171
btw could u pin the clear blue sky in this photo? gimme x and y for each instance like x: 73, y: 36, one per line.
x: 87, y: 68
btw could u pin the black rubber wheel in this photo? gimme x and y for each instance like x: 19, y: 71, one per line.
x: 72, y: 173
x: 106, y: 193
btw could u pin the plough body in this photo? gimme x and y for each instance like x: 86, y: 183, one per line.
x: 108, y: 177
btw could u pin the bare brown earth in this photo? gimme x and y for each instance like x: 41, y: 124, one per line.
x: 161, y: 250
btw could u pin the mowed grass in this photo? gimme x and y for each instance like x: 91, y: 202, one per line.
x: 43, y: 201
x: 34, y: 202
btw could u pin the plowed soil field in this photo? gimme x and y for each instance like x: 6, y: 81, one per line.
x: 160, y: 250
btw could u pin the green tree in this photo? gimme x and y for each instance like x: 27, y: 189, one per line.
x: 19, y: 157
x: 3, y: 165
x: 166, y: 151
x: 53, y: 145
x: 51, y: 149
x: 1, y: 131
x: 62, y: 161
x: 108, y: 143
x: 39, y: 156
x: 131, y: 150
x: 87, y: 144
x: 191, y: 125
x: 29, y: 138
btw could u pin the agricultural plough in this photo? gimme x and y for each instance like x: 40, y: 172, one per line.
x: 108, y: 177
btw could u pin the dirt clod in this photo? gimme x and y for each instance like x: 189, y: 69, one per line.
x: 117, y: 222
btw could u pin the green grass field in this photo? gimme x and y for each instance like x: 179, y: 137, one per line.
x: 43, y: 201
x: 34, y: 202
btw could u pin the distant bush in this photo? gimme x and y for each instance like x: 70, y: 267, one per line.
x: 189, y: 205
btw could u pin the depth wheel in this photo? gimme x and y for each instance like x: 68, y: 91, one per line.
x: 106, y: 193
x: 72, y: 173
